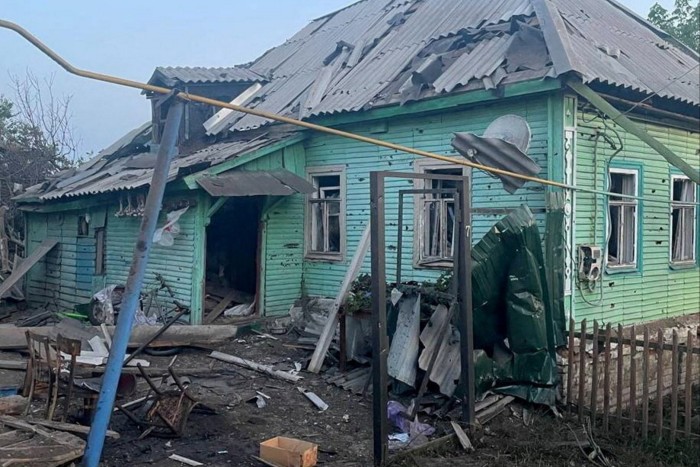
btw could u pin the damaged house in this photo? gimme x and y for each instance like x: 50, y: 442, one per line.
x: 276, y: 213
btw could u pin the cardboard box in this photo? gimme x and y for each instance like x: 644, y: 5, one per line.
x: 289, y: 452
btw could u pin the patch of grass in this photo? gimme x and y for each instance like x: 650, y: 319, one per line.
x: 681, y: 453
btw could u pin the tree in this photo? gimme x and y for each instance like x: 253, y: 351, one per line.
x: 36, y: 136
x: 683, y: 22
x: 36, y: 142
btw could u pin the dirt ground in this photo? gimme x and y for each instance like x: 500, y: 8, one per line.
x: 234, y: 434
x: 231, y: 436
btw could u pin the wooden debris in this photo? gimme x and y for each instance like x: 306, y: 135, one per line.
x: 232, y: 296
x: 38, y: 253
x: 13, y: 365
x: 324, y: 341
x: 31, y: 445
x: 60, y: 426
x: 462, y: 437
x: 317, y: 401
x: 13, y: 338
x: 491, y: 412
x: 12, y: 405
x: 255, y: 366
x: 264, y: 334
x: 184, y: 460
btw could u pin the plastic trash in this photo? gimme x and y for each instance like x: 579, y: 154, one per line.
x: 165, y: 236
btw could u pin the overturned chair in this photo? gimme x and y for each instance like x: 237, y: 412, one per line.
x: 169, y: 409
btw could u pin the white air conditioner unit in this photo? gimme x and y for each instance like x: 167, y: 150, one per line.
x: 590, y: 262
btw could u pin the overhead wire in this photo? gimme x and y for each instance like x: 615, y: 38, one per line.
x: 300, y: 123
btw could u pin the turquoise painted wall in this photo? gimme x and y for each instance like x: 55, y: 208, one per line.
x: 654, y: 291
x: 66, y: 276
x: 282, y: 235
x: 175, y: 263
x: 431, y: 133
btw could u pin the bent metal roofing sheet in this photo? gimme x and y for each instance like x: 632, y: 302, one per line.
x: 602, y: 41
x: 381, y: 52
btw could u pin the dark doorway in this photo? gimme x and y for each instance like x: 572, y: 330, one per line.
x: 232, y: 245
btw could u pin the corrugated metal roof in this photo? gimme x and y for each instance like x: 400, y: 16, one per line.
x: 199, y: 75
x: 479, y: 63
x: 611, y: 45
x: 390, y: 36
x: 130, y: 171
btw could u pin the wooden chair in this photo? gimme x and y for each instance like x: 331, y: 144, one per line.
x: 53, y: 367
x: 68, y: 351
x: 41, y: 374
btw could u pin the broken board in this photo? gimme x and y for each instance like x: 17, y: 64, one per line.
x: 13, y: 338
x: 40, y: 251
x: 24, y: 444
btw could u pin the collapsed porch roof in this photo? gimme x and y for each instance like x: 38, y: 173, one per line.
x: 255, y: 183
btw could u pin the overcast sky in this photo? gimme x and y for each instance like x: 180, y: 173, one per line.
x: 129, y: 38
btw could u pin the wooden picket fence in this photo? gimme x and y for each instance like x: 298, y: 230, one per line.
x: 616, y: 379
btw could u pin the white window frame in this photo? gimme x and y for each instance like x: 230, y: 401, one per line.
x: 679, y: 204
x: 622, y: 203
x: 426, y: 166
x: 311, y: 173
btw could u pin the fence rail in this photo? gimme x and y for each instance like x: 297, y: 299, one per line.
x: 647, y: 379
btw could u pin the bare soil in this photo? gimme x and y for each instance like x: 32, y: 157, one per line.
x: 232, y: 435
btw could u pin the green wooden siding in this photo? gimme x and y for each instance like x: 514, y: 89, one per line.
x: 282, y: 248
x: 64, y: 277
x: 174, y: 263
x: 431, y: 133
x: 654, y: 291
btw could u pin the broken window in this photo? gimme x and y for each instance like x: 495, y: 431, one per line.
x: 437, y: 219
x: 683, y: 220
x: 325, y: 229
x: 622, y: 213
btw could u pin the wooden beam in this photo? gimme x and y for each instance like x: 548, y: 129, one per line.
x: 60, y: 426
x: 324, y: 341
x: 13, y: 365
x: 216, y: 206
x: 13, y: 338
x: 221, y: 306
x: 38, y: 253
x: 255, y: 366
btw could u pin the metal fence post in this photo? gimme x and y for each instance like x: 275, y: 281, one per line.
x: 380, y: 340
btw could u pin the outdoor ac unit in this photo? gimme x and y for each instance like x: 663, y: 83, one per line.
x: 590, y: 262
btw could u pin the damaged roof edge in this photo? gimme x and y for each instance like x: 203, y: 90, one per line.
x: 555, y: 36
x: 191, y: 180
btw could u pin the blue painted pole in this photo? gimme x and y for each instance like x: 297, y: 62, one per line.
x: 134, y: 283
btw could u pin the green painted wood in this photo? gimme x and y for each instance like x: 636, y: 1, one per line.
x: 656, y: 291
x: 174, y: 263
x: 431, y: 133
x: 191, y: 180
x: 282, y: 249
x: 54, y: 280
x: 199, y: 242
x: 637, y: 130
